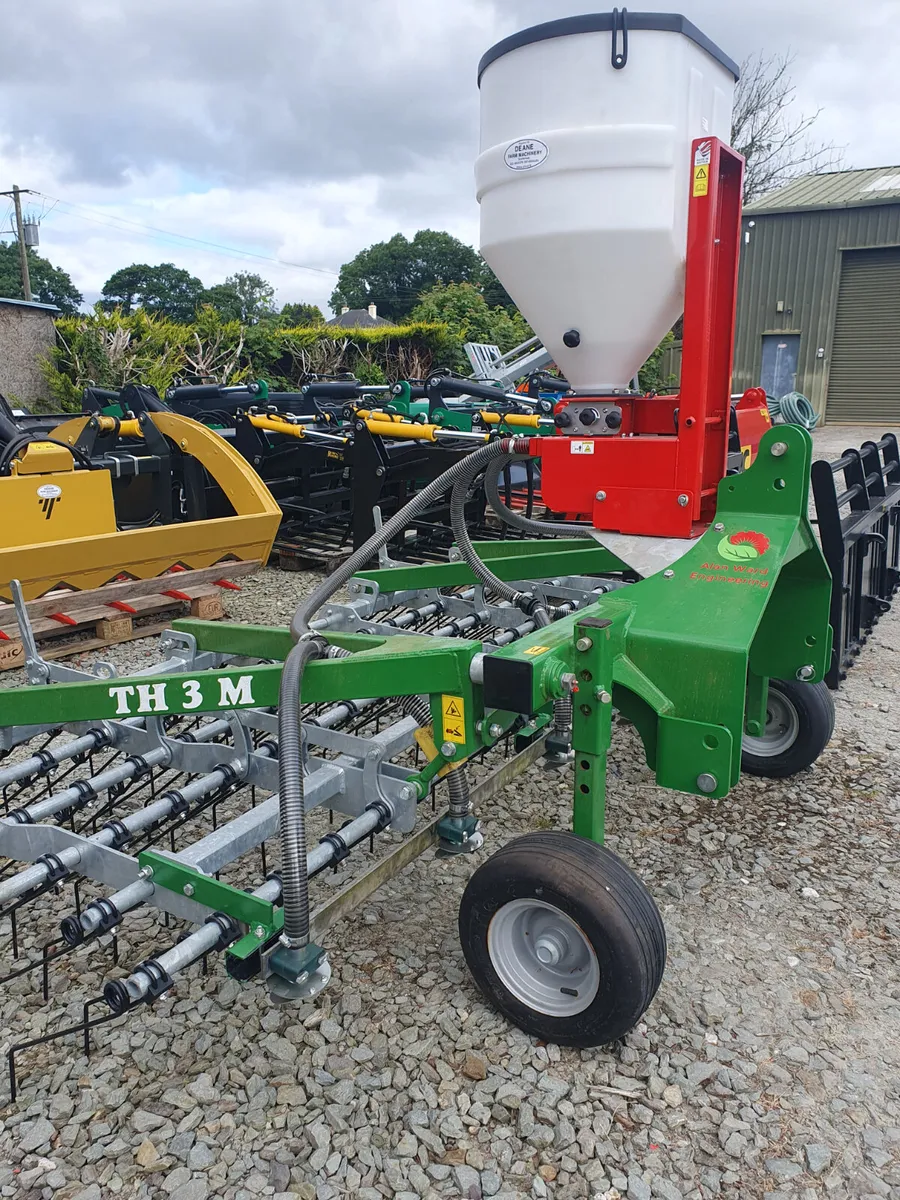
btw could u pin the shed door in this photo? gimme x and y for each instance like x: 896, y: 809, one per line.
x: 864, y: 379
x: 780, y: 352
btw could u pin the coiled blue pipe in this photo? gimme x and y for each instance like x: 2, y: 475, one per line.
x: 794, y: 409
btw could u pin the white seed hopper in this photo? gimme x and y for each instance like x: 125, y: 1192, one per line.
x: 584, y: 179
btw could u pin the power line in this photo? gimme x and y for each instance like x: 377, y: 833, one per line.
x: 115, y: 222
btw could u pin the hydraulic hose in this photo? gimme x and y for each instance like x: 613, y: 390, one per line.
x: 482, y: 573
x: 291, y: 806
x: 458, y: 786
x: 510, y: 517
x: 291, y: 800
x: 471, y: 464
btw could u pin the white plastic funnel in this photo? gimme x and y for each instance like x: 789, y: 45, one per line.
x: 584, y: 178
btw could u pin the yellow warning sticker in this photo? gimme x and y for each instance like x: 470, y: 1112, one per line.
x: 453, y: 709
x: 747, y: 453
x: 536, y: 650
x: 701, y: 179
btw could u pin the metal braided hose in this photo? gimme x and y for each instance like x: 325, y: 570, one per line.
x: 510, y: 517
x: 291, y: 799
x: 291, y: 802
x: 482, y: 573
x: 471, y: 464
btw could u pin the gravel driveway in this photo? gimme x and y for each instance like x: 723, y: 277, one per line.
x: 768, y: 1066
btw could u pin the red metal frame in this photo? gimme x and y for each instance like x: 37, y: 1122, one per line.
x: 753, y: 420
x: 660, y: 474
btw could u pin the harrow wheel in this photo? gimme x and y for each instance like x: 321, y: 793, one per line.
x: 563, y: 939
x: 799, y: 725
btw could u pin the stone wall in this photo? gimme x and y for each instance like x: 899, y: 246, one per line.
x: 26, y: 334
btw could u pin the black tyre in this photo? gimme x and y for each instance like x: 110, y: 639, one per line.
x: 563, y: 939
x: 799, y: 725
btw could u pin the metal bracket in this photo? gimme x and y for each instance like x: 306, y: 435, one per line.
x: 384, y: 559
x: 39, y: 670
x: 137, y: 740
x: 174, y: 876
x: 100, y: 863
x: 367, y: 774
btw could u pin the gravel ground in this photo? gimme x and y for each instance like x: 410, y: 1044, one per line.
x: 768, y: 1066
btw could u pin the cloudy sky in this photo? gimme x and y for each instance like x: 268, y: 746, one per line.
x: 298, y: 132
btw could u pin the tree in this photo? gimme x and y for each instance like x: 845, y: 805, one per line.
x: 464, y: 309
x: 224, y: 300
x: 765, y: 129
x: 395, y: 273
x: 165, y: 289
x: 301, y: 314
x: 494, y: 291
x: 245, y: 297
x: 49, y: 284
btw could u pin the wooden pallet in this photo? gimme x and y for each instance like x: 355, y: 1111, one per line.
x: 66, y: 623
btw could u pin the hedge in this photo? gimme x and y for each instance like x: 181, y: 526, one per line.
x: 112, y: 349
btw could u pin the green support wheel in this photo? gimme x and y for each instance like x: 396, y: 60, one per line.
x: 799, y: 725
x: 563, y: 939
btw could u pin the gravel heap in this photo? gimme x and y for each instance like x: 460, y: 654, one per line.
x: 767, y: 1067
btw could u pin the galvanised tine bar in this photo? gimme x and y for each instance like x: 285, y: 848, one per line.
x: 95, y: 739
x: 138, y: 985
x: 113, y: 833
x: 120, y: 994
x: 339, y: 713
x: 88, y: 788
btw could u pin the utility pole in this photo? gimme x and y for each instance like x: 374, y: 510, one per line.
x: 20, y: 234
x: 23, y: 249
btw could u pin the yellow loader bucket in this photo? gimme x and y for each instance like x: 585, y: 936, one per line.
x: 59, y: 525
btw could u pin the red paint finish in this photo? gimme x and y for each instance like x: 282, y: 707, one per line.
x: 753, y: 420
x: 659, y: 475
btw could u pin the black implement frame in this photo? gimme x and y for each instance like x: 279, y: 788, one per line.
x: 862, y: 548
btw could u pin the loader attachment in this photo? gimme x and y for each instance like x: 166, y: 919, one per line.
x: 96, y: 498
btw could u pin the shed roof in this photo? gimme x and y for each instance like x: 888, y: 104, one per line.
x: 835, y: 189
x: 29, y: 304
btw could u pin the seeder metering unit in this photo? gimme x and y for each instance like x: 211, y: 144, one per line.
x: 695, y: 603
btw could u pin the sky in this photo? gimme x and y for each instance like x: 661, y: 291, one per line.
x: 283, y: 137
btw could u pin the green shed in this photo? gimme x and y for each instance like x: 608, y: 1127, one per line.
x: 819, y: 295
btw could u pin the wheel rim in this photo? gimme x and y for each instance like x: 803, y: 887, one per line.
x: 543, y: 958
x: 782, y: 727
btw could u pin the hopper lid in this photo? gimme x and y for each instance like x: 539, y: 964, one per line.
x: 606, y: 23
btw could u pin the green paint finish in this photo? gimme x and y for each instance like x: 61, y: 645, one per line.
x: 402, y: 665
x: 175, y: 876
x: 223, y: 637
x: 106, y: 699
x: 512, y: 560
x: 252, y: 941
x: 757, y: 703
x: 592, y: 721
x: 682, y: 641
x: 694, y: 756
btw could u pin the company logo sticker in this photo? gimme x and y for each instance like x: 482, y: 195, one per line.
x: 48, y: 494
x: 743, y: 547
x: 526, y: 154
